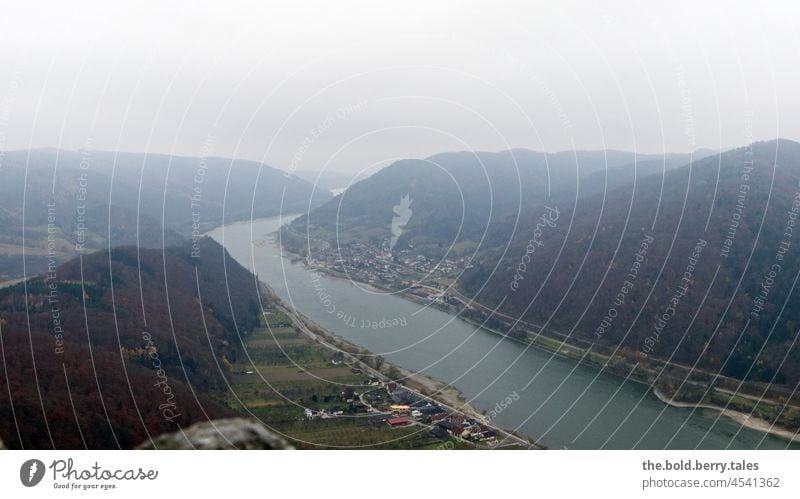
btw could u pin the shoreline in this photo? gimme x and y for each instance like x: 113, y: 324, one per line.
x: 742, y: 418
x: 423, y: 385
x: 746, y: 420
x: 14, y: 281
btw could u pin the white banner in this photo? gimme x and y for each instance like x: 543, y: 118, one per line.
x: 385, y: 473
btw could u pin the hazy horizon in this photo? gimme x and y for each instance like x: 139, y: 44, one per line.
x: 355, y: 85
x: 379, y: 166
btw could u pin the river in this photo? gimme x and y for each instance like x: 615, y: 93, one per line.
x: 551, y: 399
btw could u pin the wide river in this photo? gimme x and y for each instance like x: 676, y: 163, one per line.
x: 554, y: 400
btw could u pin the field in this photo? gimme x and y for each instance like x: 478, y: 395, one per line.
x: 283, y: 372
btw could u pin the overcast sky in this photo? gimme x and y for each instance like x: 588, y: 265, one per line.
x: 351, y: 85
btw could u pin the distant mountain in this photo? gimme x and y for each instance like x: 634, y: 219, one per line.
x: 715, y: 256
x: 325, y: 179
x: 212, y: 190
x: 456, y: 197
x: 554, y: 238
x: 179, y: 191
x: 122, y: 345
x: 48, y: 216
x: 74, y: 193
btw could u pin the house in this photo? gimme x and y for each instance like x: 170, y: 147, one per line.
x: 391, y: 387
x: 372, y: 396
x: 348, y: 393
x: 379, y: 417
x: 438, y: 417
x: 446, y: 425
x: 401, y: 421
x: 403, y: 396
x: 451, y: 427
x: 439, y: 432
x: 487, y: 432
x: 431, y: 410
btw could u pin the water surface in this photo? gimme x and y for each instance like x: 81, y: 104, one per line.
x: 554, y: 400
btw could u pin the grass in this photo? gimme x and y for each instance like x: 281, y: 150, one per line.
x: 292, y: 372
x: 358, y: 433
x: 274, y: 318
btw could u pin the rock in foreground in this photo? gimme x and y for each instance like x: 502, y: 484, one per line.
x: 231, y: 434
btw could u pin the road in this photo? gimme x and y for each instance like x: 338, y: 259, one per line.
x: 300, y: 322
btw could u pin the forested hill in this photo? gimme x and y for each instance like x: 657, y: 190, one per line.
x: 716, y: 255
x: 54, y: 201
x: 50, y: 215
x: 455, y: 196
x: 114, y: 348
x: 172, y: 189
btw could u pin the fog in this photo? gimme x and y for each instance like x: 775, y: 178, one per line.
x: 351, y: 86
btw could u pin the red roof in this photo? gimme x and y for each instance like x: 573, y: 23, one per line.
x: 398, y: 421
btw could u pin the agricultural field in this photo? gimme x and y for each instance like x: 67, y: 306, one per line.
x: 282, y: 372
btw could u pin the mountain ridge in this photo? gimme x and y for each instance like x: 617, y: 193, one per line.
x: 115, y: 365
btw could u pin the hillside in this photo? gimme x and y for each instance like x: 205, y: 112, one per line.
x: 181, y: 191
x: 61, y: 202
x: 52, y: 215
x: 714, y: 257
x: 325, y: 179
x: 455, y: 197
x: 708, y: 243
x: 121, y: 346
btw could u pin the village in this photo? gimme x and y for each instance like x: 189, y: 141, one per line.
x: 406, y: 269
x: 393, y: 405
x: 325, y: 393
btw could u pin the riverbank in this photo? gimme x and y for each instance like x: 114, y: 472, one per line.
x: 12, y: 282
x: 420, y: 384
x: 746, y: 420
x: 753, y: 412
x: 645, y: 376
x: 563, y: 397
